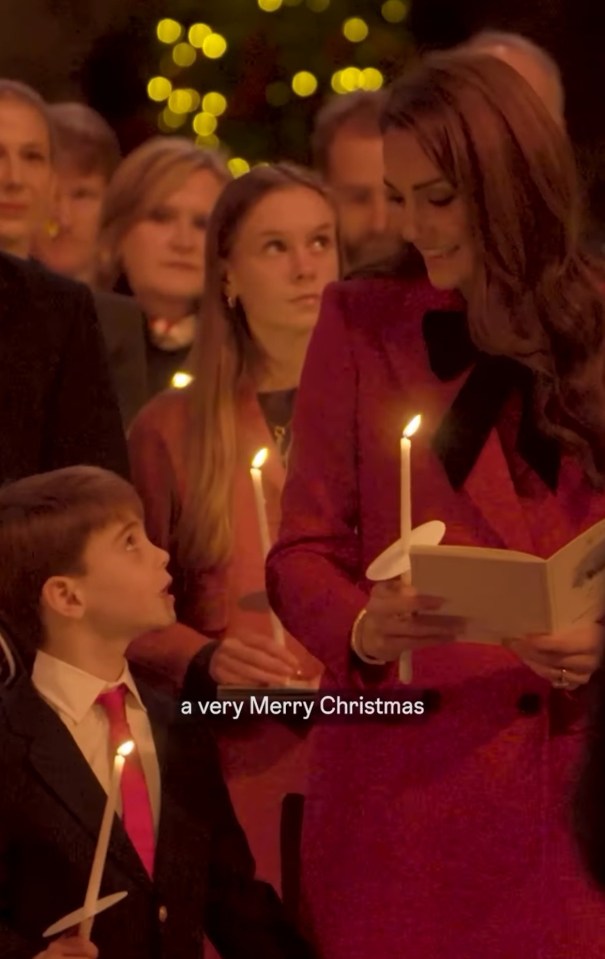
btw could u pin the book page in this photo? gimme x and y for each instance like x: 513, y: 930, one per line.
x: 576, y: 577
x: 502, y: 593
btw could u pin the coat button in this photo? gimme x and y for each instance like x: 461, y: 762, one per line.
x: 529, y: 704
x: 162, y: 914
x: 431, y: 699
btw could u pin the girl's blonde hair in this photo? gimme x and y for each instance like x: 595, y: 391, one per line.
x: 225, y: 361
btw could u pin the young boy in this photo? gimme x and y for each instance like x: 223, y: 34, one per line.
x: 78, y: 580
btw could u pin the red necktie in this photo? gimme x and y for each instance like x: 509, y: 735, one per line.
x: 136, y: 807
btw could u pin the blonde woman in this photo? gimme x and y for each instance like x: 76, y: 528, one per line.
x: 152, y: 241
x: 271, y: 250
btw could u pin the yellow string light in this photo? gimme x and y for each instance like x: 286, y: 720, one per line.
x: 351, y: 79
x: 195, y: 99
x: 214, y: 46
x: 159, y: 88
x: 355, y: 29
x: 394, y: 11
x: 180, y: 101
x: 336, y: 82
x: 270, y: 6
x: 371, y: 79
x: 214, y: 103
x: 238, y: 166
x: 204, y: 124
x: 184, y: 55
x: 168, y: 31
x: 211, y: 142
x: 304, y: 83
x: 198, y: 33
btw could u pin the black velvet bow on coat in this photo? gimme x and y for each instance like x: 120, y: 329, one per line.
x: 464, y: 429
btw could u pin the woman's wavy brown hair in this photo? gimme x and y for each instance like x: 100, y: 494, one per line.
x: 537, y: 296
x: 225, y: 361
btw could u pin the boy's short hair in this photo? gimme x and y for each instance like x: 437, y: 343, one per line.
x: 360, y: 110
x: 45, y: 524
x: 84, y: 139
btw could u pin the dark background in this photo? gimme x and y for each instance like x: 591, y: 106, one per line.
x: 105, y: 51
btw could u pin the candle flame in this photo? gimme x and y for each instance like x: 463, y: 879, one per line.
x: 126, y: 748
x: 181, y: 379
x: 260, y: 458
x: 412, y: 427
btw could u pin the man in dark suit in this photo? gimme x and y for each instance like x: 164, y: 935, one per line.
x: 86, y: 154
x: 57, y: 403
x: 123, y: 329
x: 79, y: 578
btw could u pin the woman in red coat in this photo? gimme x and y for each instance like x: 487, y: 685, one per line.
x: 271, y: 250
x: 445, y: 835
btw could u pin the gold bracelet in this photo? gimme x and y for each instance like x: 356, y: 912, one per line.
x: 356, y: 644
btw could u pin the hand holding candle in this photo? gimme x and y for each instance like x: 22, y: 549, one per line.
x: 405, y: 660
x: 98, y: 863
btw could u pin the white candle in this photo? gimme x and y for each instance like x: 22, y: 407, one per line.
x: 263, y: 526
x: 406, y: 485
x: 98, y: 863
x: 405, y: 660
x: 259, y: 496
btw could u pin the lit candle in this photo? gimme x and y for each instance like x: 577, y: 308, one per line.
x: 257, y: 481
x: 406, y: 484
x: 180, y: 380
x: 405, y: 660
x: 98, y: 863
x: 263, y: 525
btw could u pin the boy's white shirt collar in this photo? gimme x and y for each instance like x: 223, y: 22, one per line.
x: 73, y: 691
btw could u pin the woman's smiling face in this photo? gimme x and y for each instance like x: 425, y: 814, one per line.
x: 432, y: 215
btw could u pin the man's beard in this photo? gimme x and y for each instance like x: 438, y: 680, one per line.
x: 370, y: 251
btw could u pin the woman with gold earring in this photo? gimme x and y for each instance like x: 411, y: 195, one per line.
x: 271, y: 250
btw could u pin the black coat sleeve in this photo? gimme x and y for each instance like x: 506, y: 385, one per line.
x: 122, y: 325
x: 84, y: 423
x: 13, y: 943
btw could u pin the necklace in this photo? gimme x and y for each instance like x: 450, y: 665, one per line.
x: 277, y: 407
x: 281, y: 435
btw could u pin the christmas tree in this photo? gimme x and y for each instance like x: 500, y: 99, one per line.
x: 249, y: 75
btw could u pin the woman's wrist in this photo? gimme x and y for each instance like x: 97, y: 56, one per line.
x: 357, y: 644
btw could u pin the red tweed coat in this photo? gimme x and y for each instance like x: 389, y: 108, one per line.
x: 444, y: 837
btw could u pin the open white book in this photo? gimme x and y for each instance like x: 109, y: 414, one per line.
x: 503, y: 593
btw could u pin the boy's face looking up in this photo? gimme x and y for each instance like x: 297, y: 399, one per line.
x: 123, y: 591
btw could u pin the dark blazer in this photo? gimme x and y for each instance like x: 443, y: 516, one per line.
x: 122, y: 326
x: 50, y: 810
x: 57, y: 403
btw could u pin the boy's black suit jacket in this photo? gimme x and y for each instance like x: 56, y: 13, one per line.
x: 57, y: 402
x: 50, y: 810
